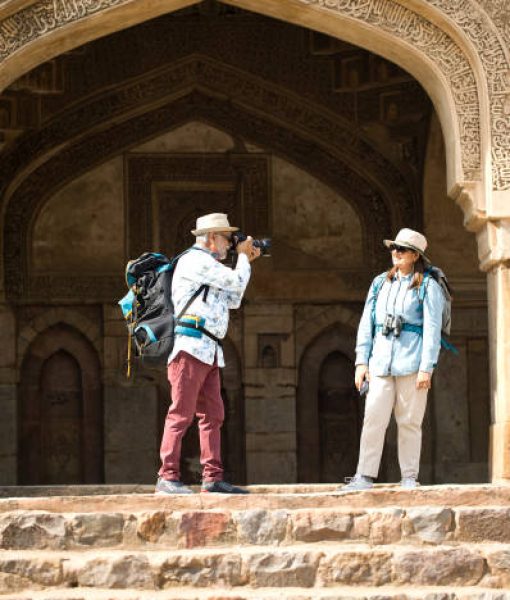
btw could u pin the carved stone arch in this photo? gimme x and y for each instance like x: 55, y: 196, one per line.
x: 424, y: 46
x: 320, y: 161
x: 336, y: 338
x: 60, y: 410
x: 322, y: 319
x: 406, y: 35
x: 53, y: 317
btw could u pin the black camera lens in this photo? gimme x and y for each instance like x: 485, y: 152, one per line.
x: 264, y: 244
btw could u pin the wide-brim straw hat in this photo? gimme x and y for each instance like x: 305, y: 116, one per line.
x: 408, y: 238
x: 213, y: 223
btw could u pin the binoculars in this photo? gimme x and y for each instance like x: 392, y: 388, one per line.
x: 392, y: 323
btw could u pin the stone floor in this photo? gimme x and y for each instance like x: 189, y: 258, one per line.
x: 278, y: 543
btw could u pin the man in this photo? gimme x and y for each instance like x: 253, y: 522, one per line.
x: 193, y: 365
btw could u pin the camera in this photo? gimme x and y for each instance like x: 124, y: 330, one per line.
x: 264, y: 244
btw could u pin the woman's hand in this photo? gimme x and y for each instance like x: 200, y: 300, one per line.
x: 360, y: 375
x: 423, y: 380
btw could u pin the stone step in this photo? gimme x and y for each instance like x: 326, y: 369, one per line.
x: 262, y: 497
x: 167, y: 529
x: 320, y: 566
x: 334, y: 593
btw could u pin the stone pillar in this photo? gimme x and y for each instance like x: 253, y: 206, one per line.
x: 8, y: 398
x: 270, y: 394
x: 131, y: 432
x: 494, y: 250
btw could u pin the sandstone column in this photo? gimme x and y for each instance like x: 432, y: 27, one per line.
x: 494, y: 249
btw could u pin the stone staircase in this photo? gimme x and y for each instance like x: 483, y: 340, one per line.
x: 279, y: 543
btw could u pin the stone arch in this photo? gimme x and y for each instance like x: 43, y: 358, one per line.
x: 90, y: 330
x: 60, y: 410
x: 322, y: 319
x: 336, y: 338
x: 418, y: 38
x: 331, y: 165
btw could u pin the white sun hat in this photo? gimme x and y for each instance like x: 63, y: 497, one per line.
x: 212, y: 223
x: 408, y: 238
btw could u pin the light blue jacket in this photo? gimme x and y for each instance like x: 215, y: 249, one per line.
x: 410, y: 352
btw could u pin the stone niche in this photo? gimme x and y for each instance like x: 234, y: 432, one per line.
x: 80, y: 229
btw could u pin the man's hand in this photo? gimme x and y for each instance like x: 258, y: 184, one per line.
x: 360, y: 375
x: 248, y: 248
x: 423, y: 380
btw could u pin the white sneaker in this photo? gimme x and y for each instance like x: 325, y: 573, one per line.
x: 358, y: 483
x: 409, y: 483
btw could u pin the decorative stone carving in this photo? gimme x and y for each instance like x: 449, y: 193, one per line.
x: 46, y: 16
x: 481, y: 32
x: 244, y: 178
x: 438, y: 47
x: 333, y: 160
x: 43, y: 17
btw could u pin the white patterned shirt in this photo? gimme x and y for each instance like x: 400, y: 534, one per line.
x: 226, y: 289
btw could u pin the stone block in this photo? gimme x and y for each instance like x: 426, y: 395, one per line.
x: 282, y: 569
x: 115, y: 352
x: 499, y: 565
x: 205, y: 529
x: 131, y: 434
x: 22, y: 572
x: 32, y: 531
x: 97, y: 530
x: 270, y: 415
x: 125, y: 572
x: 270, y: 378
x: 356, y: 568
x: 151, y: 526
x: 320, y: 525
x: 385, y: 526
x: 112, y: 312
x: 483, y: 525
x: 261, y: 526
x: 428, y: 524
x: 271, y: 467
x: 271, y: 442
x: 455, y: 566
x: 201, y: 570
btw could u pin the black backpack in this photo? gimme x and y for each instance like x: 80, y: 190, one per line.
x: 149, y: 310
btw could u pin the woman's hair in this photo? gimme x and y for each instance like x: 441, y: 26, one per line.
x: 419, y: 269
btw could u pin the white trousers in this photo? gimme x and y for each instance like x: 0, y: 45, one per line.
x: 384, y: 395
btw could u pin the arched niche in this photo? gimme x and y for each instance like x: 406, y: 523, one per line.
x: 60, y: 432
x: 323, y: 399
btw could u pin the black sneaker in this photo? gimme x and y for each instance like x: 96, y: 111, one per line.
x: 165, y: 487
x: 221, y: 487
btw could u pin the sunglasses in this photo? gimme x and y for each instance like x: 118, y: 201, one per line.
x: 394, y: 247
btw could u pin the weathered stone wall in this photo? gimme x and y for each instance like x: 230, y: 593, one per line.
x: 326, y: 148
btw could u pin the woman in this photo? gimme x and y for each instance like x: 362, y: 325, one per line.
x: 398, y: 343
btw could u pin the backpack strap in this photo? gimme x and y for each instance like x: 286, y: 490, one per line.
x: 377, y: 288
x: 203, y: 288
x: 423, y: 286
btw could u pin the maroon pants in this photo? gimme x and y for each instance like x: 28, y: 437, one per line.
x: 195, y: 391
